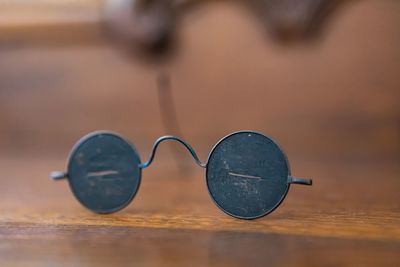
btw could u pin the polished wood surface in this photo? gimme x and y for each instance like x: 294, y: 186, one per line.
x: 333, y: 105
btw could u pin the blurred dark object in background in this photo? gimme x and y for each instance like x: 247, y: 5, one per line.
x: 149, y: 23
x: 144, y: 24
x: 145, y: 27
x: 295, y: 20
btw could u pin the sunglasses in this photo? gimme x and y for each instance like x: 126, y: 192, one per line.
x: 247, y: 173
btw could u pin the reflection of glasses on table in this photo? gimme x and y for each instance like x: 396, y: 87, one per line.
x: 247, y: 173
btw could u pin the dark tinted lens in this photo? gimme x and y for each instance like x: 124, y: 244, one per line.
x: 104, y: 172
x: 247, y: 174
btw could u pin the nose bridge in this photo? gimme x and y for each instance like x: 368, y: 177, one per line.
x: 171, y: 137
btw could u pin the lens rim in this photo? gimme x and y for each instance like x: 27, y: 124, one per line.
x: 82, y: 141
x: 287, y: 181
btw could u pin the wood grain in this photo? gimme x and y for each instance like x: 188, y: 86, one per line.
x: 339, y: 224
x: 331, y: 104
x: 172, y: 220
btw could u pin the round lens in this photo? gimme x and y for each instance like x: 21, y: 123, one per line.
x: 247, y: 174
x: 103, y: 172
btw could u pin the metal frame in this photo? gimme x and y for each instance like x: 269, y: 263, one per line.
x: 290, y: 180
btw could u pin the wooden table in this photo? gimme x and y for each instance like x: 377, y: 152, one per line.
x: 333, y: 105
x: 349, y: 216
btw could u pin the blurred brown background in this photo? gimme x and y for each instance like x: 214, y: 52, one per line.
x: 332, y: 102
